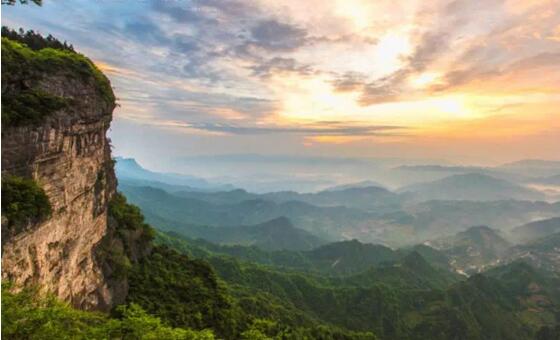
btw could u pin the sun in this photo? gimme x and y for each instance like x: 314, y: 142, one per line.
x: 453, y: 107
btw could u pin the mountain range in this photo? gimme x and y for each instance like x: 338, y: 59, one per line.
x: 276, y: 234
x: 128, y: 170
x: 472, y: 187
x: 535, y: 230
x: 371, y: 214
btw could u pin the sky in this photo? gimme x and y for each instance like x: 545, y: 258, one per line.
x: 469, y: 82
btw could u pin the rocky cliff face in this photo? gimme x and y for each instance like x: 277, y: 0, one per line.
x: 68, y: 154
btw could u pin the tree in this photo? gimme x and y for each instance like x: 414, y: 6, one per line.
x: 23, y: 2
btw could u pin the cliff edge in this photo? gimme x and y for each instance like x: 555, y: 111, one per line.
x: 56, y: 109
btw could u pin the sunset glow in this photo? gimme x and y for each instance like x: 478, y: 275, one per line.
x: 428, y: 69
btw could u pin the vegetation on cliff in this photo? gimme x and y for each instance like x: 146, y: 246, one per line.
x: 128, y: 236
x: 129, y: 217
x: 32, y: 315
x: 34, y: 40
x: 184, y: 292
x: 24, y: 202
x: 23, y: 68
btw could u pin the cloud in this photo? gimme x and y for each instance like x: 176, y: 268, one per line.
x: 476, y: 72
x: 231, y: 65
x: 546, y: 59
x: 145, y: 31
x: 349, y: 81
x: 279, y: 64
x: 274, y: 35
x: 324, y: 129
x: 440, y: 30
x: 189, y: 13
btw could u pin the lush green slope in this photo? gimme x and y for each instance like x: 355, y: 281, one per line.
x: 541, y: 253
x: 276, y: 234
x: 184, y: 292
x: 333, y: 259
x: 406, y: 300
x: 187, y: 293
x: 30, y: 315
x: 474, y: 249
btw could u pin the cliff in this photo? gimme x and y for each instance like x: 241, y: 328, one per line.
x: 57, y: 108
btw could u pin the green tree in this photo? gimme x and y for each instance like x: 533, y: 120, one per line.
x: 24, y: 202
x: 32, y: 315
x: 23, y: 2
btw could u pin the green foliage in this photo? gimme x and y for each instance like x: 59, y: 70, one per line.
x: 352, y: 262
x: 262, y: 329
x: 28, y: 315
x: 306, y: 301
x: 35, y: 41
x: 137, y: 324
x: 406, y: 299
x: 23, y: 202
x: 129, y: 216
x: 187, y: 293
x: 23, y: 2
x: 23, y: 68
x: 549, y: 333
x: 335, y: 259
x: 31, y: 315
x: 183, y: 292
x: 30, y: 106
x: 132, y: 235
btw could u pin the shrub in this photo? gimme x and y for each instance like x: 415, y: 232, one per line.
x: 31, y: 315
x: 30, y: 106
x: 129, y: 216
x: 35, y: 41
x: 24, y: 202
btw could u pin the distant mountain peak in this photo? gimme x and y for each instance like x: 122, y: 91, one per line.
x: 415, y: 260
x: 278, y: 221
x: 356, y: 185
x: 480, y: 228
x: 482, y: 231
x: 130, y: 169
x: 128, y: 161
x: 536, y: 229
x: 471, y: 186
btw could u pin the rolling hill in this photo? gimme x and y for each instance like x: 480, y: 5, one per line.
x: 474, y: 249
x: 532, y: 167
x: 173, y: 212
x: 276, y: 234
x: 541, y: 253
x: 535, y: 230
x: 473, y: 187
x: 128, y: 169
x: 367, y: 198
